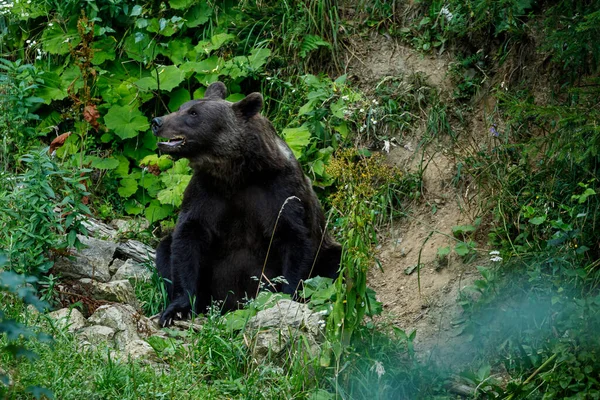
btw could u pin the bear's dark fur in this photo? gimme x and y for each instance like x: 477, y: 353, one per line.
x: 248, y: 213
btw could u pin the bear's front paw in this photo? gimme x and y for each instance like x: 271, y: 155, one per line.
x: 174, y: 311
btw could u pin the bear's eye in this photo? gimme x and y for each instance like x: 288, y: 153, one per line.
x: 193, y: 113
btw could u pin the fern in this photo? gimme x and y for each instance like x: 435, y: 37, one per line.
x: 312, y: 42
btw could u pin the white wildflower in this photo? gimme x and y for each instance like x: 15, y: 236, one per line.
x: 495, y: 256
x: 373, y: 121
x: 50, y: 24
x: 362, y: 110
x: 378, y: 368
x: 386, y: 146
x: 446, y: 13
x: 375, y: 102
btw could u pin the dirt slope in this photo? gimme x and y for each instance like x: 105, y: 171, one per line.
x: 425, y: 301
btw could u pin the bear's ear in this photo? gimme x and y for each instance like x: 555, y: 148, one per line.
x: 216, y: 90
x: 249, y: 106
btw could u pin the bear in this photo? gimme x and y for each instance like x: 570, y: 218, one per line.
x: 248, y: 215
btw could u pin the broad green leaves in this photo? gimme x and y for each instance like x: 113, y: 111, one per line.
x: 104, y: 163
x: 55, y: 40
x: 165, y: 78
x: 125, y: 121
x: 297, y: 139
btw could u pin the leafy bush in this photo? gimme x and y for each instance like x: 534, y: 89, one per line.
x: 41, y: 213
x: 17, y: 287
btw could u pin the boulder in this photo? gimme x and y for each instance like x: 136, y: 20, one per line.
x: 130, y: 225
x: 132, y: 269
x: 140, y: 350
x: 127, y: 323
x: 97, y: 335
x: 137, y: 251
x: 70, y: 319
x: 91, y: 262
x: 121, y: 318
x: 115, y: 291
x: 286, y: 324
x: 115, y: 265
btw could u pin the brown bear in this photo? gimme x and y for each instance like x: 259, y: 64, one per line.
x: 248, y: 215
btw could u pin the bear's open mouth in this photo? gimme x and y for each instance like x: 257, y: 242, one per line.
x: 173, y: 142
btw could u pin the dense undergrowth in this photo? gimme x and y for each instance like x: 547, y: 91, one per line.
x: 95, y: 74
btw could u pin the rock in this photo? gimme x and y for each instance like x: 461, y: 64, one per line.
x: 98, y: 335
x: 91, y: 262
x: 284, y: 325
x: 140, y: 350
x: 121, y: 318
x: 137, y: 251
x: 115, y: 265
x: 131, y: 269
x: 130, y: 225
x: 115, y: 291
x: 99, y: 229
x: 70, y: 319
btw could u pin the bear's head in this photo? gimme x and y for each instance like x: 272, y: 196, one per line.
x: 207, y: 128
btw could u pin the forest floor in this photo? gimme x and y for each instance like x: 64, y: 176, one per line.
x: 426, y: 299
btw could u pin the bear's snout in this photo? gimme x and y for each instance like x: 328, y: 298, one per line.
x: 156, y: 124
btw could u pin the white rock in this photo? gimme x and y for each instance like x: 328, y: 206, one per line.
x: 140, y: 350
x: 281, y: 327
x: 98, y: 335
x: 116, y: 291
x: 132, y: 269
x: 91, y: 262
x: 70, y: 319
x: 128, y: 324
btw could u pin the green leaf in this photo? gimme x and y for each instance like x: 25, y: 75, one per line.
x: 338, y: 108
x: 156, y: 211
x: 297, y: 139
x: 235, y: 97
x: 208, y: 66
x: 462, y: 230
x: 136, y: 11
x: 258, y: 58
x: 125, y: 121
x: 163, y: 162
x: 220, y: 39
x: 179, y: 49
x: 151, y: 183
x: 318, y: 167
x: 307, y: 107
x: 537, y: 220
x: 138, y: 46
x: 105, y: 163
x: 133, y: 207
x: 462, y: 249
x: 57, y: 41
x: 177, y: 98
x: 52, y: 88
x: 443, y: 251
x: 181, y: 4
x: 123, y: 169
x: 588, y: 192
x: 169, y: 77
x: 104, y: 49
x: 127, y: 187
x: 198, y: 15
